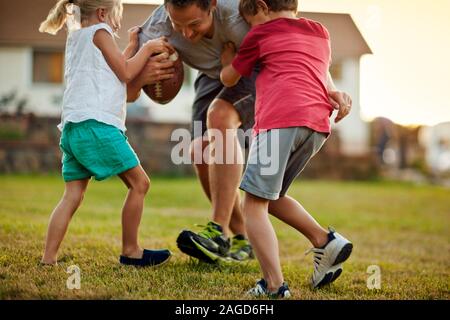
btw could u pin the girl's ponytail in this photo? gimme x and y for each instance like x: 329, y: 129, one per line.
x: 56, y: 18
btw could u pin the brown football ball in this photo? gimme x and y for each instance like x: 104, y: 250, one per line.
x: 164, y: 91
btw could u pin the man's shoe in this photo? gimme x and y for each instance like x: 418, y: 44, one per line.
x: 209, y: 245
x: 241, y: 249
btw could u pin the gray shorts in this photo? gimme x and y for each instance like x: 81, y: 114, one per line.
x: 277, y: 157
x: 241, y: 96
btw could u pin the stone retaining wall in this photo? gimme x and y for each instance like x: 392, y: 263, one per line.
x: 29, y: 144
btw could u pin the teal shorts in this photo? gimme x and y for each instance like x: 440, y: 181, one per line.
x: 94, y: 149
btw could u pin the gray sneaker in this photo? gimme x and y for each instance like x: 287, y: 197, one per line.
x: 328, y: 259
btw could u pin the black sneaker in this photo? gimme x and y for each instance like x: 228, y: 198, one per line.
x: 209, y: 245
x: 283, y: 292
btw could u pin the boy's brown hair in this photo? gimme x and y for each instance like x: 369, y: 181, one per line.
x: 250, y: 8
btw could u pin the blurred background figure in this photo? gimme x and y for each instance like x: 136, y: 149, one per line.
x: 436, y: 141
x: 383, y: 132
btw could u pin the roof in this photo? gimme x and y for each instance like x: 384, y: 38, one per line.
x: 22, y: 29
x: 346, y: 39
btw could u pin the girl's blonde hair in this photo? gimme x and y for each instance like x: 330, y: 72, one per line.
x: 58, y: 14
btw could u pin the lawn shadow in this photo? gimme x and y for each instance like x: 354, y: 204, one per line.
x: 196, y: 265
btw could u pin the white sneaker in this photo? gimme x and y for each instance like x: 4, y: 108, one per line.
x: 328, y: 261
x: 260, y: 290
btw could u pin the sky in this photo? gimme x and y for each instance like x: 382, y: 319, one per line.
x: 407, y: 77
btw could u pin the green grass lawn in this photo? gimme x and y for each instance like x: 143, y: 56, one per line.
x: 402, y: 228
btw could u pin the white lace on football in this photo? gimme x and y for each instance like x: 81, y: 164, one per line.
x: 173, y: 57
x: 158, y: 89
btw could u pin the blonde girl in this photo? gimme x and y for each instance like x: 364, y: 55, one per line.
x: 93, y: 140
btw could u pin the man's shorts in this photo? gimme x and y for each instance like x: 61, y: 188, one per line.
x: 277, y: 157
x: 92, y: 148
x: 242, y: 96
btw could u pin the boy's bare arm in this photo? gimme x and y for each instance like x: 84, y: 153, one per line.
x: 229, y: 76
x: 330, y: 83
x: 339, y: 100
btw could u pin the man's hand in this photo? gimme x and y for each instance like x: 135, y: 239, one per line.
x: 228, y: 53
x: 157, y: 68
x: 342, y: 102
x: 157, y: 46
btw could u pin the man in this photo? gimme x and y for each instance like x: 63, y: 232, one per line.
x: 198, y: 30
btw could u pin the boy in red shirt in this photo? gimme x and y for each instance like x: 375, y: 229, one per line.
x: 291, y: 124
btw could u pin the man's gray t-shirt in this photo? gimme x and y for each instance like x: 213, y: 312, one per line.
x: 204, y: 55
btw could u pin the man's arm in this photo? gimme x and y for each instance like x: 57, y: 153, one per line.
x: 133, y: 90
x: 157, y: 67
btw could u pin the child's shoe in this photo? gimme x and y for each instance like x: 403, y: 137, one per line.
x: 149, y: 258
x: 328, y: 259
x: 282, y: 292
x: 260, y: 290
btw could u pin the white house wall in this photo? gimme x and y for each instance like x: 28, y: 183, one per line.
x: 16, y: 74
x: 13, y: 69
x: 353, y: 131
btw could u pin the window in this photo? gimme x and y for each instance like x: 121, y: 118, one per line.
x: 48, y: 66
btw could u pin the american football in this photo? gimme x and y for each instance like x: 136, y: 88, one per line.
x: 164, y: 91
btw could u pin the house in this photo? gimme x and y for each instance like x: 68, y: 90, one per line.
x: 31, y: 67
x: 436, y: 141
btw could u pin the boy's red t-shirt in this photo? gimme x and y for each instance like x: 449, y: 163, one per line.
x: 291, y: 88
